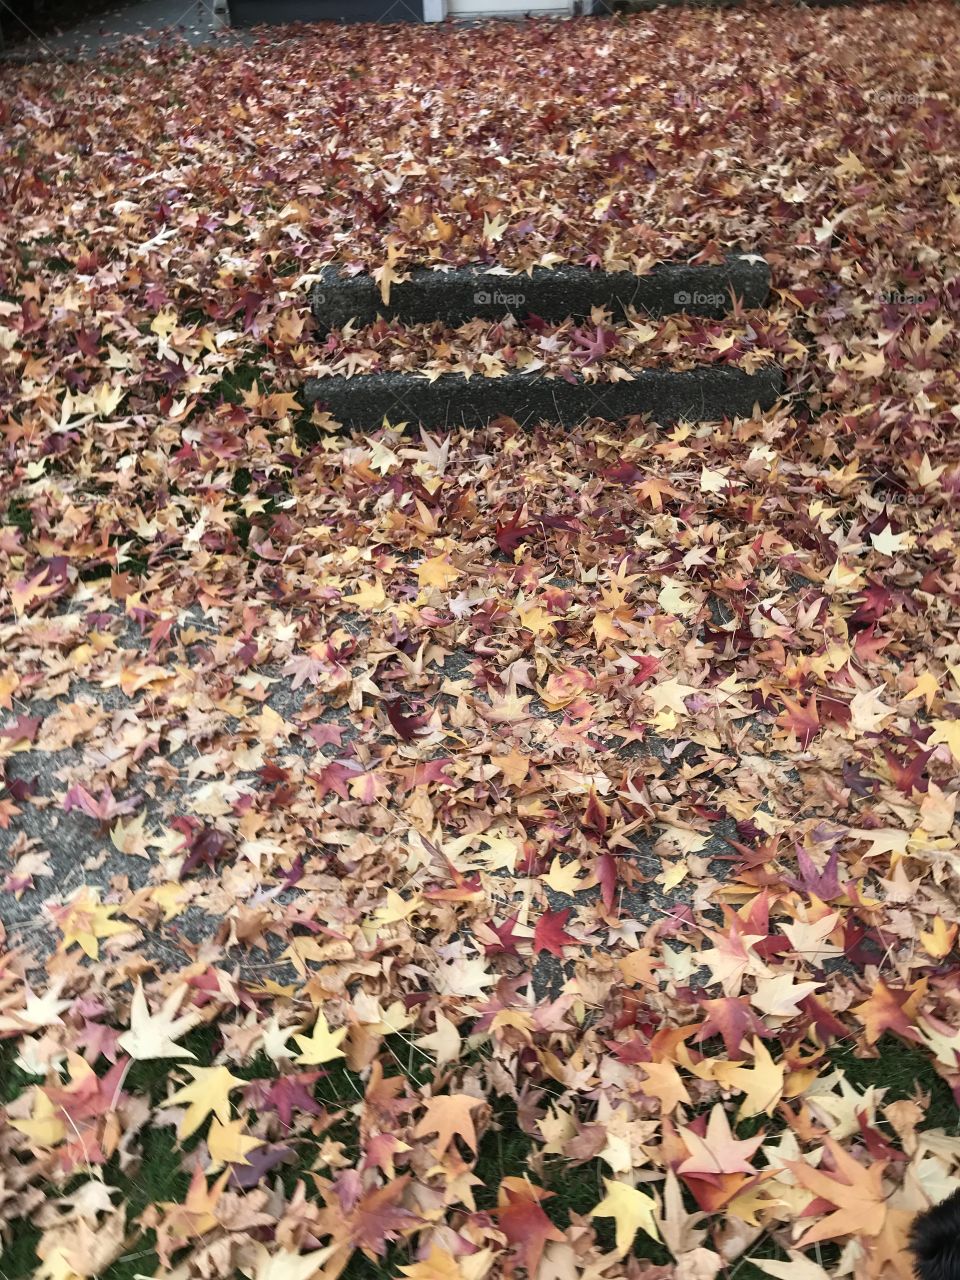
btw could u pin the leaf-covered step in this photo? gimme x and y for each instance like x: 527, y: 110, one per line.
x: 492, y: 349
x: 460, y: 293
x: 706, y: 394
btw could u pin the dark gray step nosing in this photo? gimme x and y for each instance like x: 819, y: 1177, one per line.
x: 463, y: 293
x: 709, y: 393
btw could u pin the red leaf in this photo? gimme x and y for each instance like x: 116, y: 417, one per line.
x: 407, y: 727
x: 802, y: 720
x: 908, y: 777
x: 623, y: 473
x: 595, y: 815
x: 821, y: 1017
x: 594, y: 346
x: 524, y: 1223
x: 825, y: 884
x: 606, y: 869
x: 506, y: 944
x: 875, y: 603
x: 378, y: 1218
x: 731, y: 1018
x: 510, y: 535
x: 106, y: 808
x: 23, y: 729
x: 549, y: 934
x: 207, y: 847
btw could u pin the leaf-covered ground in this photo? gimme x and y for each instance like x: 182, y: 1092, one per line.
x: 479, y: 855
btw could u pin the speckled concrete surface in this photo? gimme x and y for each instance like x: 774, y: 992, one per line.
x: 153, y: 20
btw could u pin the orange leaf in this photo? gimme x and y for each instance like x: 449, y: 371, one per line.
x: 889, y: 1010
x: 856, y: 1191
x: 524, y: 1223
x: 447, y: 1117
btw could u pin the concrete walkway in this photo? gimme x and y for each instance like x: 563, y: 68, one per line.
x: 154, y: 20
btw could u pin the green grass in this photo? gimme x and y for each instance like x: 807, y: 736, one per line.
x: 901, y: 1068
x: 13, y: 1080
x: 19, y: 515
x: 504, y: 1151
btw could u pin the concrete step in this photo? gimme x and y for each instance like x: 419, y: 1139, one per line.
x: 709, y: 393
x: 462, y: 293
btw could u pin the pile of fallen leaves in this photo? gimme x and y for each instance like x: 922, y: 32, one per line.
x: 601, y: 351
x: 507, y: 854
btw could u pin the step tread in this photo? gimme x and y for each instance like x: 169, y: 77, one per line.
x: 462, y: 293
x: 707, y: 393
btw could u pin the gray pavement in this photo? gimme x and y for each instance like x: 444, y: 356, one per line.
x: 52, y: 849
x: 193, y: 21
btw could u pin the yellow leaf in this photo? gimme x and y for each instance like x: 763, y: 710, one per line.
x: 662, y: 1081
x: 385, y: 1022
x: 887, y: 543
x: 209, y: 1092
x: 501, y: 851
x: 437, y: 572
x: 948, y: 731
x: 872, y: 364
x: 198, y: 1210
x: 849, y: 166
x: 445, y: 1042
x: 228, y: 1144
x: 170, y: 897
x: 385, y: 276
x: 55, y: 1265
x: 673, y: 599
x: 632, y: 1211
x: 9, y: 684
x: 761, y: 1084
x: 85, y: 920
x: 493, y: 228
x: 605, y: 628
x: 449, y: 1115
x: 370, y: 596
x: 45, y: 1127
x: 638, y: 967
x: 514, y: 766
x: 564, y: 879
x: 671, y: 693
x: 779, y: 997
x: 673, y: 874
x: 927, y: 473
x: 938, y: 811
x: 440, y: 1265
x: 938, y: 941
x: 322, y: 1045
x: 926, y: 688
x: 139, y: 675
x: 396, y: 908
x: 536, y: 619
x: 445, y: 230
x: 269, y: 726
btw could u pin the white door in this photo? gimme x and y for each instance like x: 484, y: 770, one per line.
x: 508, y: 8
